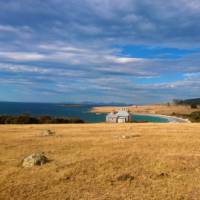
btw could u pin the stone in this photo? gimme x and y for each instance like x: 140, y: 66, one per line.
x: 47, y: 133
x: 34, y: 159
x: 125, y: 177
x: 125, y: 137
x: 163, y: 174
x: 129, y: 136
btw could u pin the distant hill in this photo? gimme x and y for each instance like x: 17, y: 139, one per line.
x: 192, y: 101
x: 90, y: 103
x: 188, y: 101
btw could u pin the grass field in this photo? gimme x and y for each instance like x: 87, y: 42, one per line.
x: 94, y: 162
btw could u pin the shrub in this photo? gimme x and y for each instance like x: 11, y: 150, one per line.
x: 194, y: 106
x: 44, y: 119
x: 195, y: 116
x: 26, y: 119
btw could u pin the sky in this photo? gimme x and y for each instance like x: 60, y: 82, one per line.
x: 130, y: 51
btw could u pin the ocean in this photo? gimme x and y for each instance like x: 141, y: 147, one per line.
x: 59, y: 110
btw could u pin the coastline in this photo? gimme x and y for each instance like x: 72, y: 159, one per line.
x: 171, y: 119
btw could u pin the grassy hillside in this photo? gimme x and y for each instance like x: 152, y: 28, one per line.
x: 195, y: 101
x: 94, y: 162
x: 192, y: 101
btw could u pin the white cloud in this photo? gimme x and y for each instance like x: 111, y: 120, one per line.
x: 22, y: 68
x: 22, y: 56
x: 124, y: 60
x: 65, y: 45
x: 7, y: 28
x: 23, y: 32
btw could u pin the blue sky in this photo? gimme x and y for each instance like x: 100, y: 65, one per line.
x: 131, y: 51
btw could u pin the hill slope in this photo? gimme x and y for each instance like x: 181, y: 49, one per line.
x: 192, y: 101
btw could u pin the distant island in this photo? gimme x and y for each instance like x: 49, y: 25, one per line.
x: 90, y: 103
x: 71, y: 105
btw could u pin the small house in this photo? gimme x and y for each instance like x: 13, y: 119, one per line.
x: 121, y: 116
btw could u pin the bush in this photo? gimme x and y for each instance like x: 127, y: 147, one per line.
x: 195, y: 116
x: 194, y: 106
x: 26, y: 119
x: 45, y: 119
x: 174, y: 114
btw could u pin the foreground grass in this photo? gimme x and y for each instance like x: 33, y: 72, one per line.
x: 93, y: 162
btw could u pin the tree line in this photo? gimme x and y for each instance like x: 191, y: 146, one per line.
x: 191, y: 102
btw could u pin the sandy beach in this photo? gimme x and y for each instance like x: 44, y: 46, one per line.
x: 169, y: 118
x: 157, y: 110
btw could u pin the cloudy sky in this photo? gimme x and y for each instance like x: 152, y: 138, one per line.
x: 131, y: 51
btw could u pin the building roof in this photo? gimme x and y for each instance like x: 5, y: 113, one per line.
x: 112, y: 115
x: 120, y: 113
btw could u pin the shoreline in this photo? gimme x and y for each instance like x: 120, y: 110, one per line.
x: 157, y: 110
x: 171, y: 119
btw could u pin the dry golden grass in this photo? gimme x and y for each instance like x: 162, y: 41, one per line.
x: 151, y: 109
x: 93, y: 162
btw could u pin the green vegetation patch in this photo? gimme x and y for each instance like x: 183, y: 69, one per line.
x: 195, y: 116
x: 27, y: 119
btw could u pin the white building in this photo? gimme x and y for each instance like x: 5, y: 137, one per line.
x: 121, y: 116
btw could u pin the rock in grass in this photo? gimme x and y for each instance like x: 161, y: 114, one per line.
x: 129, y: 136
x: 47, y: 133
x: 125, y: 137
x: 162, y: 175
x: 125, y: 177
x: 34, y: 159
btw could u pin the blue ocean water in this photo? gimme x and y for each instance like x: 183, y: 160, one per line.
x: 59, y: 110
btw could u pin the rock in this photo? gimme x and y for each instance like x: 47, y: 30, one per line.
x: 66, y: 178
x: 162, y: 175
x: 125, y: 177
x: 129, y: 136
x: 34, y: 159
x: 47, y: 133
x: 125, y: 137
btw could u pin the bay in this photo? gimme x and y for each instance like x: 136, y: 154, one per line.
x: 60, y: 110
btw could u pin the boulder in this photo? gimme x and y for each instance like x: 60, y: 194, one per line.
x: 34, y: 159
x: 129, y: 136
x: 125, y: 177
x: 125, y: 137
x: 47, y: 133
